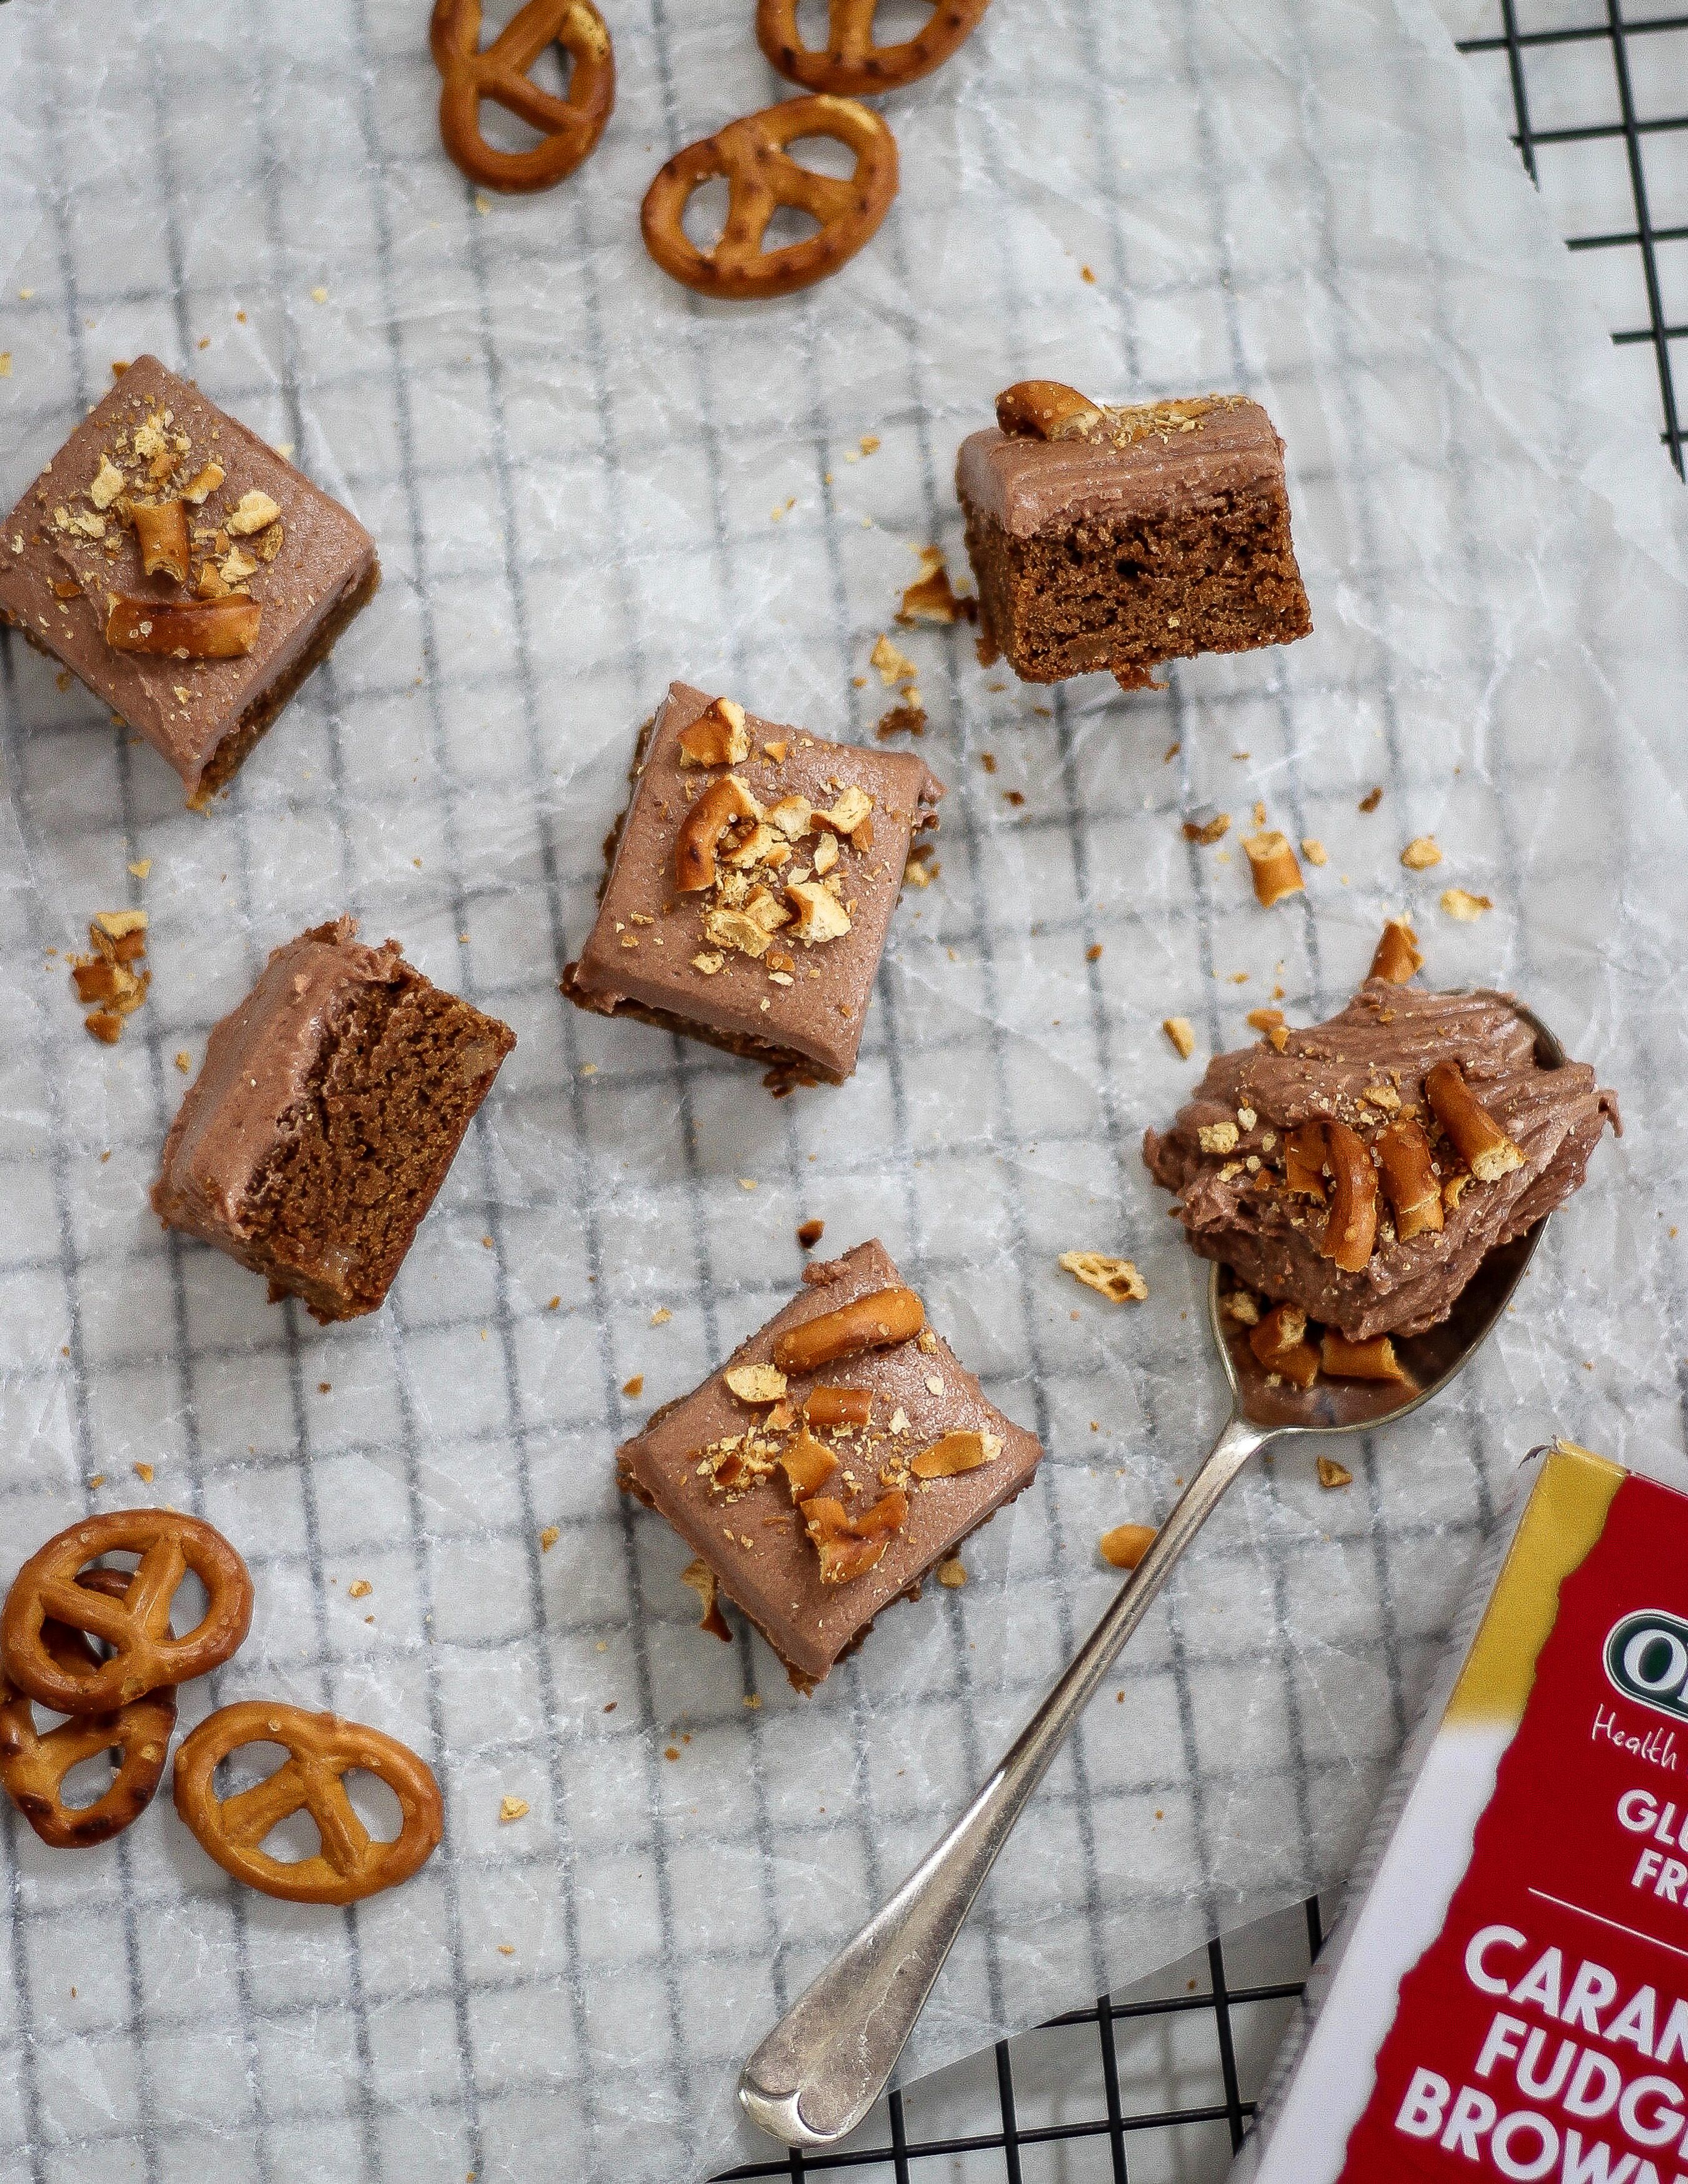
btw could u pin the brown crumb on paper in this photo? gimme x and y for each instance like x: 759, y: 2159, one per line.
x: 1182, y: 1034
x: 1466, y: 908
x: 930, y: 596
x: 549, y: 1537
x: 1421, y: 853
x: 953, y: 1574
x: 1333, y: 1473
x: 359, y: 1589
x: 635, y: 1386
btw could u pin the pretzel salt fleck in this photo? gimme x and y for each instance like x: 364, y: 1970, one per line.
x: 569, y: 127
x: 321, y: 1749
x: 850, y: 62
x: 145, y: 1656
x: 34, y: 1763
x: 761, y: 175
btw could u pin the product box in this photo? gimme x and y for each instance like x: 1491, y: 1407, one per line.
x: 1506, y: 1993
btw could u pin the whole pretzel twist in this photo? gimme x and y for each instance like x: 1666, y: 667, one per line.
x: 321, y: 1749
x: 852, y: 63
x: 145, y: 1656
x: 33, y: 1765
x: 571, y: 126
x: 762, y: 177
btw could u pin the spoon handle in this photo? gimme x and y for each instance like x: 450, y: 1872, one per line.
x: 825, y: 2063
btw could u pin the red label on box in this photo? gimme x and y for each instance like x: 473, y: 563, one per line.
x: 1544, y: 2035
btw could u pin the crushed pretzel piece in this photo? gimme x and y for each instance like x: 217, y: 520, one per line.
x: 1116, y: 1279
x: 1464, y: 907
x: 755, y: 1384
x: 1396, y: 958
x: 1333, y: 1473
x: 204, y: 483
x: 718, y: 737
x: 1421, y: 853
x: 109, y: 484
x: 955, y: 1453
x: 253, y: 512
x: 1274, y: 866
x: 850, y: 1546
x: 893, y: 667
x: 808, y: 1463
x: 1361, y: 1360
x: 1126, y: 1545
x: 187, y: 629
x: 704, y: 1582
x: 952, y: 1574
x: 1182, y: 1034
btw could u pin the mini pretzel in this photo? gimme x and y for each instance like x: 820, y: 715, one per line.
x: 852, y: 62
x: 322, y: 1748
x: 33, y: 1766
x: 145, y: 1656
x: 762, y: 177
x: 571, y: 126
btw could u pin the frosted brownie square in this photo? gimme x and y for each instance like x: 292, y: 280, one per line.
x: 840, y: 1456
x: 750, y: 888
x: 331, y: 1105
x: 183, y: 571
x: 1117, y: 538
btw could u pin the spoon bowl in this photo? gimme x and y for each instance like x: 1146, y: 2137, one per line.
x: 825, y: 2063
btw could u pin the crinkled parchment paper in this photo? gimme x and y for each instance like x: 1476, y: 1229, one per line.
x: 584, y: 483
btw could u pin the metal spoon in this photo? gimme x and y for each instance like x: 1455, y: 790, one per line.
x: 825, y: 2063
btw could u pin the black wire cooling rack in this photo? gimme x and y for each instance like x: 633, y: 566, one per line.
x: 1617, y: 64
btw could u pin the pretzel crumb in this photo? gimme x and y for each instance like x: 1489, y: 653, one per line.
x: 549, y: 1537
x: 359, y: 1589
x: 1126, y: 1545
x: 512, y: 1808
x: 1182, y: 1034
x: 952, y: 1574
x: 1466, y: 907
x: 1333, y: 1473
x: 1421, y: 853
x: 1116, y: 1279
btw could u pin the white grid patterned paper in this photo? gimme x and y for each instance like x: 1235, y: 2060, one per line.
x: 571, y: 469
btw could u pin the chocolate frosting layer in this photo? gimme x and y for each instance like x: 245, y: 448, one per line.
x: 183, y: 707
x: 1025, y: 484
x: 256, y: 1077
x: 756, y: 1543
x: 1383, y: 1044
x: 818, y: 1010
